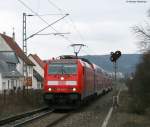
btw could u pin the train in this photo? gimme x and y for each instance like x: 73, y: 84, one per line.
x: 70, y: 81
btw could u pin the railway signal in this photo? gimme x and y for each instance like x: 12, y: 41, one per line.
x: 114, y: 56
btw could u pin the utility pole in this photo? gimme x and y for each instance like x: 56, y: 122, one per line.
x: 25, y: 38
x: 24, y: 44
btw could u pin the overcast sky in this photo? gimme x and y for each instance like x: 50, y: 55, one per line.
x: 102, y: 25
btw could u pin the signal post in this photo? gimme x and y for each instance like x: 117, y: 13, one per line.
x: 113, y: 58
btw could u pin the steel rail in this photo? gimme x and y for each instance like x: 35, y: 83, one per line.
x: 32, y: 119
x: 20, y: 116
x: 55, y: 122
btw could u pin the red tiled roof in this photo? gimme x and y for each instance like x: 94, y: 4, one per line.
x: 14, y: 46
x: 38, y: 60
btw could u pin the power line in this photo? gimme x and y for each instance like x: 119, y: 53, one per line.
x: 72, y: 22
x: 54, y: 5
x: 47, y: 27
x: 62, y: 12
x: 50, y: 14
x: 36, y: 14
x: 75, y: 27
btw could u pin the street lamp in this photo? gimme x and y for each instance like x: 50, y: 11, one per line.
x: 77, y: 48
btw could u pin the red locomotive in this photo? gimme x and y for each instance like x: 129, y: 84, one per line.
x: 69, y: 81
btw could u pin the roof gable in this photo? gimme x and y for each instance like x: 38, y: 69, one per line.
x: 38, y: 60
x: 9, y: 56
x: 17, y: 49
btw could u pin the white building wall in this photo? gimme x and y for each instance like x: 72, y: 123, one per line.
x: 6, y: 83
x: 3, y: 45
x: 34, y: 83
x: 20, y: 66
x: 37, y: 67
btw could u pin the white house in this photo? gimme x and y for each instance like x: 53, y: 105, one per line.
x: 10, y: 78
x: 8, y: 44
x: 38, y: 71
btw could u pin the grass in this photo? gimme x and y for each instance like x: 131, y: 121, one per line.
x: 124, y: 117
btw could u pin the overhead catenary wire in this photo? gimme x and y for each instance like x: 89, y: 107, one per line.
x: 36, y: 14
x: 46, y: 27
x: 62, y: 11
x: 50, y: 14
x: 71, y: 20
x: 55, y: 6
x: 38, y: 6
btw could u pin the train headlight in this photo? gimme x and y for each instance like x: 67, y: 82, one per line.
x: 74, y: 89
x: 49, y: 89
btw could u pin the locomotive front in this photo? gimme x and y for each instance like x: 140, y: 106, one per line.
x: 62, y: 83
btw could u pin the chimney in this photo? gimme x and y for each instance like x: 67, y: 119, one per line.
x: 13, y: 34
x: 4, y: 33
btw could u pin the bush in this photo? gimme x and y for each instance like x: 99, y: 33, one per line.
x: 139, y: 86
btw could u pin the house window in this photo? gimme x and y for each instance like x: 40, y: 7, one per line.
x: 12, y: 83
x: 11, y: 66
x: 30, y: 70
x: 38, y: 85
x: 4, y: 85
x: 8, y: 84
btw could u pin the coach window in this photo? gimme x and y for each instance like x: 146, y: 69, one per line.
x: 55, y: 69
x: 70, y: 68
x: 62, y: 68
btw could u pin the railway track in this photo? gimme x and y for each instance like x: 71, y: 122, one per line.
x: 33, y: 117
x: 56, y: 121
x: 48, y: 120
x: 23, y: 118
x: 43, y: 117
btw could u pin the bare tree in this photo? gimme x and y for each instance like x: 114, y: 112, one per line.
x: 139, y: 87
x: 143, y: 33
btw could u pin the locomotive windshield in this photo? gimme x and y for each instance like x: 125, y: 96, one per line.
x: 61, y: 68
